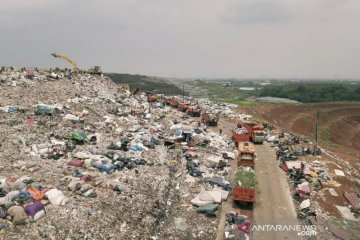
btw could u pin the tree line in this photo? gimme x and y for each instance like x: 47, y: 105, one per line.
x: 313, y: 92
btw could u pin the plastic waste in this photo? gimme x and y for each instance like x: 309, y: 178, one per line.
x: 39, y: 215
x: 32, y: 209
x: 56, y: 197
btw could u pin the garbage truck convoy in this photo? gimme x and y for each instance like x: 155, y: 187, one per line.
x: 244, y: 182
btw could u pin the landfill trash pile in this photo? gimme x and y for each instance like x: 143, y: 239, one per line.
x: 316, y: 182
x: 82, y: 158
x: 223, y: 109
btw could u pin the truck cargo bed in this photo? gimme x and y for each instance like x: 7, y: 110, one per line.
x: 243, y: 194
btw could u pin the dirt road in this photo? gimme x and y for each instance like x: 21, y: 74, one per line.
x: 274, y: 204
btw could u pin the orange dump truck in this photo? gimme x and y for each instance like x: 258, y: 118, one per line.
x: 246, y: 155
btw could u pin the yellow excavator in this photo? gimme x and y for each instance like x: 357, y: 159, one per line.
x: 74, y: 65
x: 96, y: 70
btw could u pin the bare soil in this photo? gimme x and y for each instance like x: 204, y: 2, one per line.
x: 339, y: 124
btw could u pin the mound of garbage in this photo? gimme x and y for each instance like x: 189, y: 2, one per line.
x: 82, y: 158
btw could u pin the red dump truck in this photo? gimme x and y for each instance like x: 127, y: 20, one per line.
x: 244, y: 187
x: 209, y: 119
x: 174, y: 103
x: 244, y: 194
x: 246, y: 155
x: 194, y: 111
x: 183, y: 107
x: 240, y: 135
x: 151, y: 98
x: 256, y: 132
x: 166, y: 101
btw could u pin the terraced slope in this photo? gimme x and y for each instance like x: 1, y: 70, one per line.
x: 339, y: 123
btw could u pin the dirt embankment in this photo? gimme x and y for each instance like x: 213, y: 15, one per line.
x: 339, y: 124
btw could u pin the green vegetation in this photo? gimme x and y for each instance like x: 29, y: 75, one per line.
x: 220, y: 91
x: 241, y: 102
x: 313, y: 91
x: 230, y: 91
x: 247, y: 179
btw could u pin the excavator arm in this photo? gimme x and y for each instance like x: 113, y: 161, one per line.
x: 75, y: 67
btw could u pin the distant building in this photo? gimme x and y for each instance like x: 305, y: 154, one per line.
x: 264, y: 83
x: 247, y: 88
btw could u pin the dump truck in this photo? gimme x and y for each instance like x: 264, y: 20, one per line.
x: 151, y: 96
x: 183, y: 107
x: 166, y: 101
x: 256, y: 132
x: 240, y: 135
x: 246, y: 155
x: 194, y: 111
x: 209, y: 119
x: 244, y: 184
x: 174, y: 103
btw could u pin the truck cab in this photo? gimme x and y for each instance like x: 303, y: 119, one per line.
x: 258, y: 134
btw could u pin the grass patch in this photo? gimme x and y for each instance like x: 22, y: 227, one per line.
x: 247, y: 179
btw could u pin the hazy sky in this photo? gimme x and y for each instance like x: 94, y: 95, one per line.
x: 186, y: 38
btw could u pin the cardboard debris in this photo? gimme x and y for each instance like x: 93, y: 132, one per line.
x: 339, y: 172
x: 334, y: 183
x: 197, y: 202
x: 333, y: 192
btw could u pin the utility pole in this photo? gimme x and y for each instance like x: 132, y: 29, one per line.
x: 317, y: 129
x: 183, y: 92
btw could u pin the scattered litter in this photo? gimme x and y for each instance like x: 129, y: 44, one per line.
x: 339, y: 172
x: 305, y: 204
x: 333, y: 192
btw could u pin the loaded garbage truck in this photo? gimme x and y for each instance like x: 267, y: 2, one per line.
x: 194, y: 111
x: 183, y: 107
x: 244, y: 187
x: 151, y: 96
x: 174, y: 103
x: 209, y: 119
x: 240, y: 135
x: 246, y: 155
x: 256, y: 132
